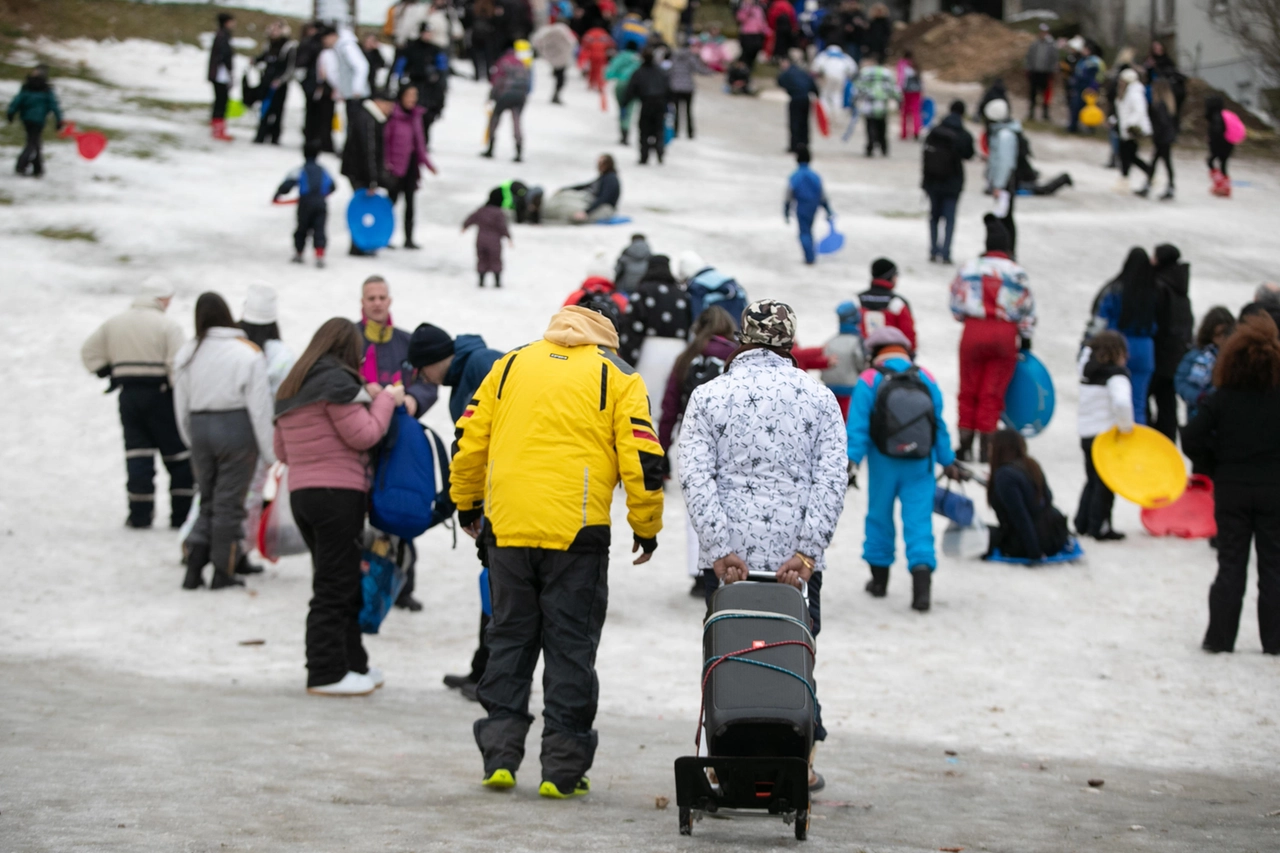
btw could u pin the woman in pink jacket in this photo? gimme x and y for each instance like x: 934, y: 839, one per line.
x: 752, y: 29
x: 404, y: 147
x: 326, y: 422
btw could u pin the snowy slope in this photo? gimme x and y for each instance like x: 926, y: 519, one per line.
x: 1095, y: 660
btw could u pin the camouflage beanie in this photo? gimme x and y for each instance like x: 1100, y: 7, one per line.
x: 769, y: 323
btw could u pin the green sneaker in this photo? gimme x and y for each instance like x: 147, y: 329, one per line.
x: 551, y: 792
x: 500, y: 780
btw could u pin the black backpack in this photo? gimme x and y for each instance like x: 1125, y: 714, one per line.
x: 602, y: 303
x: 940, y: 160
x: 903, y: 421
x: 702, y: 370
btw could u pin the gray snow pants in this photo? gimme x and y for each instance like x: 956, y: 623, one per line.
x: 551, y: 602
x: 223, y: 454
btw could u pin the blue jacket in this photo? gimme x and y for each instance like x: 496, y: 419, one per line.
x: 864, y: 399
x: 1194, y: 377
x: 312, y: 181
x: 798, y: 83
x: 1109, y: 310
x: 472, y: 360
x: 804, y: 191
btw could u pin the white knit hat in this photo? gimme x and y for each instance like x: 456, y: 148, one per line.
x: 689, y: 264
x: 156, y: 287
x: 600, y: 266
x: 1129, y: 75
x: 997, y: 110
x: 260, y: 305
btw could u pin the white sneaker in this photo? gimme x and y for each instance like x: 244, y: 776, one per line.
x: 352, y: 684
x: 376, y: 676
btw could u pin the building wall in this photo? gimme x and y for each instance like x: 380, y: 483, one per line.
x: 1204, y: 51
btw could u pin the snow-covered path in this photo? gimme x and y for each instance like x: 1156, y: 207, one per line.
x: 1094, y: 662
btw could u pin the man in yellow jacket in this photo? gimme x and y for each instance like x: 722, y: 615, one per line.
x: 539, y: 451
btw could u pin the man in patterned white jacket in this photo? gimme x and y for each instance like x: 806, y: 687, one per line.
x: 763, y: 466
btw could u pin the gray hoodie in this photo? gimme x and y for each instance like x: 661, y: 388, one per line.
x: 632, y: 264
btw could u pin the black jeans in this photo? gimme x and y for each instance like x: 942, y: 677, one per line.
x: 1039, y: 81
x: 33, y: 153
x: 942, y: 208
x: 220, y: 92
x: 553, y: 603
x: 876, y: 136
x: 146, y: 415
x: 405, y: 185
x: 1219, y: 156
x: 711, y: 583
x: 798, y: 123
x: 1165, y: 153
x: 1165, y: 396
x: 1129, y: 158
x: 559, y: 74
x: 318, y: 123
x: 313, y: 214
x: 686, y: 98
x: 1093, y: 516
x: 331, y: 522
x: 1245, y: 512
x: 272, y: 121
x: 653, y: 128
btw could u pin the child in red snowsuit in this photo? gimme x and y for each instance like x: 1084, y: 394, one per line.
x: 595, y: 47
x: 990, y: 296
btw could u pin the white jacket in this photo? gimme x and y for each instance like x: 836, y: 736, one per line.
x: 835, y: 67
x: 353, y: 67
x: 140, y: 342
x: 762, y: 463
x: 280, y: 361
x: 224, y: 373
x: 1105, y: 401
x: 409, y: 21
x: 1131, y: 111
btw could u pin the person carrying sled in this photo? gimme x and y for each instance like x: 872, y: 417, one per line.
x: 991, y: 297
x: 882, y: 306
x: 540, y: 450
x: 33, y: 104
x: 896, y: 424
x: 136, y: 350
x: 314, y: 188
x: 805, y: 194
x: 363, y: 160
x: 836, y: 69
x: 761, y: 467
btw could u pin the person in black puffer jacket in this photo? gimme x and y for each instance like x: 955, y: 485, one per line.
x: 1030, y: 525
x: 656, y: 325
x: 649, y: 86
x: 1175, y: 328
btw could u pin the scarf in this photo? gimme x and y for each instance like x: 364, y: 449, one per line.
x: 329, y: 381
x: 378, y: 333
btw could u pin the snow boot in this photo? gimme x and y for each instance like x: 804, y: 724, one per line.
x: 878, y: 586
x: 220, y: 130
x: 222, y: 580
x: 1145, y: 191
x: 921, y: 582
x: 519, y: 153
x: 964, y: 453
x: 984, y: 447
x: 488, y: 152
x: 196, y: 558
x: 1168, y: 195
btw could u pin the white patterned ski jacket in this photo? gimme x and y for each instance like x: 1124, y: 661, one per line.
x: 762, y: 463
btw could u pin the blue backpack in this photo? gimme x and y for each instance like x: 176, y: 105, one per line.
x: 712, y: 287
x: 410, y: 491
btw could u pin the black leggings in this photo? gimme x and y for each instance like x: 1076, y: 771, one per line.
x: 751, y: 45
x: 220, y: 92
x: 686, y: 98
x: 1165, y: 153
x: 403, y: 186
x: 1093, y: 516
x: 1129, y: 158
x: 1220, y: 157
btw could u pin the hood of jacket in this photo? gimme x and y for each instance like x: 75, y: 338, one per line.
x: 598, y: 284
x: 148, y: 302
x: 1175, y: 276
x: 328, y: 380
x: 463, y: 347
x: 1097, y: 373
x: 574, y: 326
x: 955, y: 121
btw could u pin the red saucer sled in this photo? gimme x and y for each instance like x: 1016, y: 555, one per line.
x: 1189, y: 517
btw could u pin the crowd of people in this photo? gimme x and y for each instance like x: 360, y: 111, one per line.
x: 650, y: 360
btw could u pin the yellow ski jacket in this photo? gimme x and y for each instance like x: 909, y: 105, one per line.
x: 552, y: 429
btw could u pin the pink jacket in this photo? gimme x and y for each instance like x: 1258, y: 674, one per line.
x: 751, y: 20
x: 402, y: 137
x: 326, y: 444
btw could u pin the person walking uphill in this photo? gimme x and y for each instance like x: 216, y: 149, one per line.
x: 649, y: 86
x: 806, y: 195
x: 1236, y: 436
x: 876, y: 88
x: 556, y: 43
x: 327, y: 419
x: 222, y: 402
x: 33, y: 103
x: 895, y: 422
x: 1129, y: 305
x: 491, y: 228
x: 761, y: 466
x: 221, y: 59
x: 136, y: 350
x: 945, y: 149
x: 799, y: 86
x: 990, y: 296
x: 540, y: 449
x: 1003, y: 143
x: 1175, y: 330
x: 404, y: 144
x: 509, y: 82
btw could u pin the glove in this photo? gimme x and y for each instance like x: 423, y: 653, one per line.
x: 649, y: 545
x: 468, y: 517
x: 1025, y: 345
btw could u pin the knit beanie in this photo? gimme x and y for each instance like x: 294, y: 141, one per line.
x: 997, y: 234
x: 883, y: 268
x: 997, y: 110
x: 260, y: 305
x: 156, y: 287
x: 429, y: 345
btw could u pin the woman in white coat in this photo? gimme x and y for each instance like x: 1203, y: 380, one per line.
x: 223, y: 406
x: 1133, y: 122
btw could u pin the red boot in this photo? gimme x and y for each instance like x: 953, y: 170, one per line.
x: 1221, y: 184
x: 220, y: 130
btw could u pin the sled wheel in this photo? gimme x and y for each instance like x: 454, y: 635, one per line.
x: 686, y: 821
x: 802, y: 825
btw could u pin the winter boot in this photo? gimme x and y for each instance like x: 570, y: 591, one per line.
x: 1168, y: 195
x: 921, y: 581
x: 984, y: 447
x: 878, y: 586
x: 196, y: 558
x: 220, y: 130
x: 488, y: 152
x: 222, y: 580
x: 964, y: 453
x: 519, y: 153
x: 1145, y: 191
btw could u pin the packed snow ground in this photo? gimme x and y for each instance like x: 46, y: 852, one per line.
x: 1096, y: 661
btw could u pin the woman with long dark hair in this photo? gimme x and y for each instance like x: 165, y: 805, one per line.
x: 222, y: 403
x: 1235, y: 435
x: 1129, y: 307
x: 1030, y: 526
x: 326, y: 422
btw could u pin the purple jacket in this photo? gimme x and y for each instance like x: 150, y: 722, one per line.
x: 402, y: 137
x: 676, y: 398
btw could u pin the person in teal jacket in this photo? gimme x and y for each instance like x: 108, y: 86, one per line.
x: 891, y: 479
x: 620, y: 69
x: 33, y: 103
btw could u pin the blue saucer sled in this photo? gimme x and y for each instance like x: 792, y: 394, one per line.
x: 372, y: 221
x: 927, y: 111
x: 833, y: 242
x: 1029, y: 399
x: 1069, y: 554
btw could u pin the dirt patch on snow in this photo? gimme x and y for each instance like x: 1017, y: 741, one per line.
x: 971, y: 48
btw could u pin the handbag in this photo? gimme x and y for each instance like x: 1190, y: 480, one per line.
x: 384, y: 567
x: 953, y: 505
x: 966, y: 541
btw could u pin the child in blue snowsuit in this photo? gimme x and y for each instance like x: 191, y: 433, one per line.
x: 890, y: 479
x: 314, y: 187
x: 805, y: 193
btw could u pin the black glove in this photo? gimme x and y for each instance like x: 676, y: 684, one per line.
x: 1025, y: 345
x: 468, y: 517
x: 647, y: 545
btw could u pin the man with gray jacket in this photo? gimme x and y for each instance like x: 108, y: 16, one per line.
x: 1041, y: 63
x: 1003, y: 142
x: 136, y: 350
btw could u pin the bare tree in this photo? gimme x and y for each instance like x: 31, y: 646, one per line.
x: 1255, y: 26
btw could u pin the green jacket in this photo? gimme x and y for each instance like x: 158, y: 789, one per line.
x: 620, y: 68
x: 34, y: 105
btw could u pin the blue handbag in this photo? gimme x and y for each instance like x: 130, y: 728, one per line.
x: 953, y: 505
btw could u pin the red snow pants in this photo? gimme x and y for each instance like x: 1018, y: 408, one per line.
x: 988, y: 355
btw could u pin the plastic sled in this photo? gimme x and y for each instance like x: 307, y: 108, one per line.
x: 967, y: 541
x: 1233, y: 128
x: 1029, y: 399
x: 1069, y: 554
x: 278, y: 534
x: 1143, y: 466
x: 927, y: 110
x: 235, y: 108
x: 371, y: 219
x: 1189, y: 517
x: 90, y: 144
x: 614, y: 220
x: 820, y: 116
x: 833, y: 242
